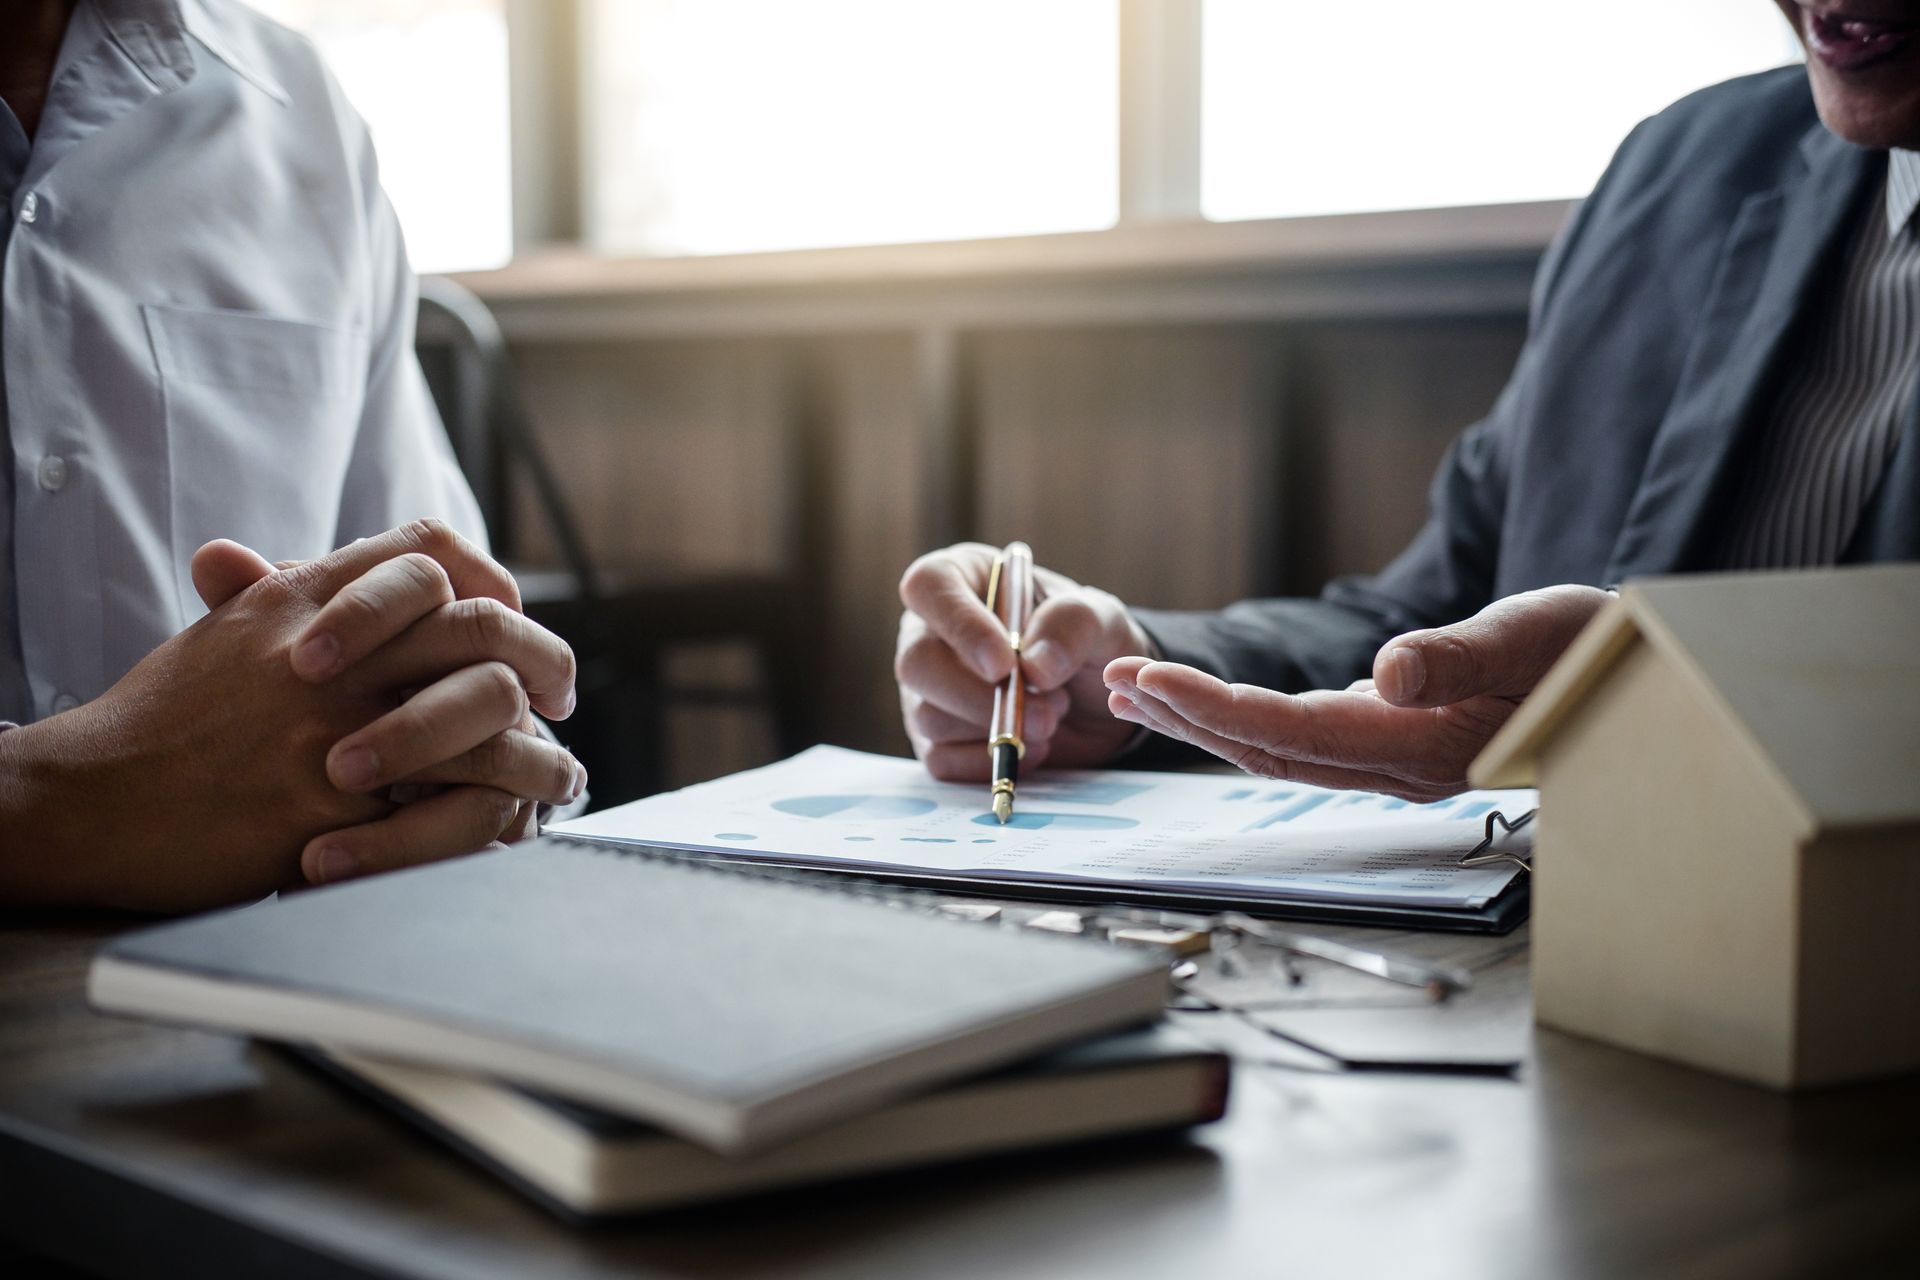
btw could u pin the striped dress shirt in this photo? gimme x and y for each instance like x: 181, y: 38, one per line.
x: 1834, y: 424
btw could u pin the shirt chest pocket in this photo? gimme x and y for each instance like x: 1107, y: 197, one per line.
x: 261, y: 416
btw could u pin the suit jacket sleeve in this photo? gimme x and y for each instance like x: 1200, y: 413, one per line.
x: 1444, y: 575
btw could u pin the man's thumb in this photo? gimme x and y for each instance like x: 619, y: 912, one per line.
x: 223, y: 569
x: 1501, y: 651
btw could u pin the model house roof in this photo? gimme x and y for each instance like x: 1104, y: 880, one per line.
x: 1818, y: 671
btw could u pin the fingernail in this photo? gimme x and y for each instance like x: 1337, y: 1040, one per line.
x: 573, y: 700
x: 579, y: 781
x: 334, y: 863
x: 985, y: 662
x: 1041, y: 658
x: 1409, y: 671
x: 356, y: 767
x: 316, y: 655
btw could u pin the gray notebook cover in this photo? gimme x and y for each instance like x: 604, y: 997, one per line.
x: 714, y: 984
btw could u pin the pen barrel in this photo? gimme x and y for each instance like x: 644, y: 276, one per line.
x: 1009, y: 709
x: 1010, y: 596
x: 1015, y: 603
x: 1006, y: 762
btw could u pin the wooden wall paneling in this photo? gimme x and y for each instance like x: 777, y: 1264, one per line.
x: 669, y: 450
x: 872, y: 449
x: 1377, y: 404
x: 943, y: 422
x: 1138, y: 460
x: 675, y: 456
x: 1275, y: 446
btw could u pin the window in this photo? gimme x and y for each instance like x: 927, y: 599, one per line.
x: 1336, y: 107
x: 728, y: 126
x: 430, y: 77
x: 720, y: 126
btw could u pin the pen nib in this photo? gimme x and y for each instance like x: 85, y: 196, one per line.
x: 1003, y: 807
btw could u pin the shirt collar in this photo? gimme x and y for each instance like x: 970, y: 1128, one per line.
x: 154, y: 36
x: 119, y: 54
x: 235, y: 40
x: 1903, y: 189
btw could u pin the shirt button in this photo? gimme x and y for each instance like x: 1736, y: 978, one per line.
x: 53, y: 473
x: 65, y: 703
x: 30, y: 207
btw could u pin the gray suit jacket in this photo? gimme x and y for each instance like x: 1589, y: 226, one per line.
x: 1661, y: 318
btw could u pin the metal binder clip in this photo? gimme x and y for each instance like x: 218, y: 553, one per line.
x: 1485, y: 855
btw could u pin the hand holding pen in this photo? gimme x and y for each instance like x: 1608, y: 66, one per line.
x: 954, y: 656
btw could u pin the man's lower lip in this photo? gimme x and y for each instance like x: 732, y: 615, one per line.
x: 1848, y: 45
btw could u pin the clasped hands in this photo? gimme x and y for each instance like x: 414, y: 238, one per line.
x: 259, y: 747
x: 1436, y: 696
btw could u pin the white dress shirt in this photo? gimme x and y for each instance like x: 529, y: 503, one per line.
x: 206, y: 330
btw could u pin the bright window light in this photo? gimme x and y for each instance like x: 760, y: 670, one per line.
x: 430, y: 77
x: 1334, y: 107
x: 726, y: 126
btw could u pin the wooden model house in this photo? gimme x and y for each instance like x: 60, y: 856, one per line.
x: 1727, y: 864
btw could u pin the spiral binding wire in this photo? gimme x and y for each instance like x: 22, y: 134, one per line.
x: 1485, y: 855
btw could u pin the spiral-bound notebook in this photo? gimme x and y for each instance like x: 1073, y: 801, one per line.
x: 728, y: 1007
x: 1200, y: 841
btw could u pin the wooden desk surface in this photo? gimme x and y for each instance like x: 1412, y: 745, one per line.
x: 144, y: 1150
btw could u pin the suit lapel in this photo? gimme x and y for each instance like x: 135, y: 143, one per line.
x: 1765, y: 276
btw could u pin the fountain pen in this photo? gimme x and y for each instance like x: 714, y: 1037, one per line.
x: 1010, y: 599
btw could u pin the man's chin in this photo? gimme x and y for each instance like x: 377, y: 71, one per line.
x: 1882, y: 119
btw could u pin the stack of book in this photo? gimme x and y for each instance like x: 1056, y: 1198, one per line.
x: 621, y: 1031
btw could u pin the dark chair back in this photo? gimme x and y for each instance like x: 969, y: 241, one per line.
x: 488, y: 425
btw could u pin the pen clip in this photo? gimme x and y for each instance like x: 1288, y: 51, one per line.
x: 993, y: 582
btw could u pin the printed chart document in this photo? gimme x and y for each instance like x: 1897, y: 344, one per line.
x: 1217, y: 834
